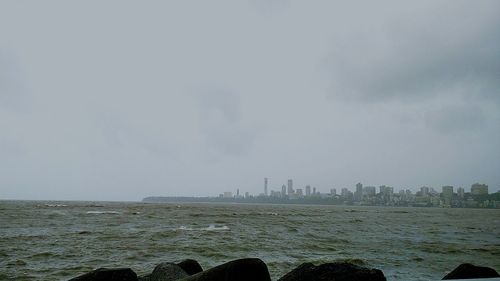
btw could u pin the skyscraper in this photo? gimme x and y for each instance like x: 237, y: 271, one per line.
x: 299, y: 192
x: 283, y: 190
x: 447, y: 194
x: 358, y: 194
x: 333, y: 191
x: 369, y: 191
x: 308, y: 190
x: 424, y: 190
x: 479, y: 189
x: 265, y: 186
x: 290, y: 187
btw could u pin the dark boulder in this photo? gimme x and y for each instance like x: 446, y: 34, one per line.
x: 338, y: 271
x: 190, y: 266
x: 469, y: 271
x: 165, y: 271
x: 237, y: 270
x: 108, y: 274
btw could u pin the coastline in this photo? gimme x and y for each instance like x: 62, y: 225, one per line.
x: 285, y: 201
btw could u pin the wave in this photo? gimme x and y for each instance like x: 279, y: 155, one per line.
x: 354, y: 211
x: 216, y: 228
x: 56, y: 205
x: 182, y: 227
x: 269, y: 214
x: 211, y: 227
x: 103, y: 212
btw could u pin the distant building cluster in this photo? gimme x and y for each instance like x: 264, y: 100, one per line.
x: 478, y: 197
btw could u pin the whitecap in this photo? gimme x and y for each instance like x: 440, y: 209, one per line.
x: 55, y: 205
x: 182, y: 227
x: 213, y: 227
x: 103, y: 212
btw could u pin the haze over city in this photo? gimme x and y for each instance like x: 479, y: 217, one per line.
x: 119, y: 100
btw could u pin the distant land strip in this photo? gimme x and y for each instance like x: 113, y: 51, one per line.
x: 490, y: 201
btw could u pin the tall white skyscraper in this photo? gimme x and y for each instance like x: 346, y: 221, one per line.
x: 265, y: 186
x: 290, y: 187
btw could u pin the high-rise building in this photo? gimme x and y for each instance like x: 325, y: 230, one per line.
x: 265, y: 186
x: 238, y: 192
x: 308, y: 190
x: 479, y: 189
x: 382, y: 189
x: 386, y: 193
x: 358, y: 194
x: 314, y: 190
x: 299, y: 192
x: 275, y: 193
x: 333, y: 191
x: 369, y: 191
x: 283, y: 190
x: 424, y: 190
x: 344, y: 192
x: 402, y: 194
x: 290, y: 187
x: 460, y: 192
x: 447, y: 192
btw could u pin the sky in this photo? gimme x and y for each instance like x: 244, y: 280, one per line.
x: 119, y: 100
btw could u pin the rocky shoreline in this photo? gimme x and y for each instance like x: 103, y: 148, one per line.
x: 251, y: 269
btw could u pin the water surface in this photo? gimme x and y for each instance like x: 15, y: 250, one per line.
x: 60, y: 240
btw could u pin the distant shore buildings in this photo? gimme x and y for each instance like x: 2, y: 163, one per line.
x: 386, y: 196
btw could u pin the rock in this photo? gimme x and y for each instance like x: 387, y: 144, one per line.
x: 469, y: 271
x: 338, y: 271
x: 108, y: 274
x: 190, y: 266
x: 165, y: 271
x: 237, y: 270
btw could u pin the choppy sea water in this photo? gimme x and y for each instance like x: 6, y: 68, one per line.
x: 60, y: 240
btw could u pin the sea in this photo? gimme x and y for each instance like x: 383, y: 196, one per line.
x: 47, y: 240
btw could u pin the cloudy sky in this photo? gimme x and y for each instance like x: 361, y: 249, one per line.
x: 118, y: 100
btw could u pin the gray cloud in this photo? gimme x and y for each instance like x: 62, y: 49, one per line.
x: 433, y: 49
x: 327, y: 93
x: 269, y: 7
x: 221, y: 122
x: 455, y: 119
x: 13, y: 89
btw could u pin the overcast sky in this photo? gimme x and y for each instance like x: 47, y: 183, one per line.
x: 118, y: 100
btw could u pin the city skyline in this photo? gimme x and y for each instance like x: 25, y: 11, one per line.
x: 306, y: 189
x: 477, y: 196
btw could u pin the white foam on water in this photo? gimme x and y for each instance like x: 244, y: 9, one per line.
x: 211, y: 227
x: 182, y: 227
x: 58, y: 212
x: 103, y: 212
x: 56, y: 205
